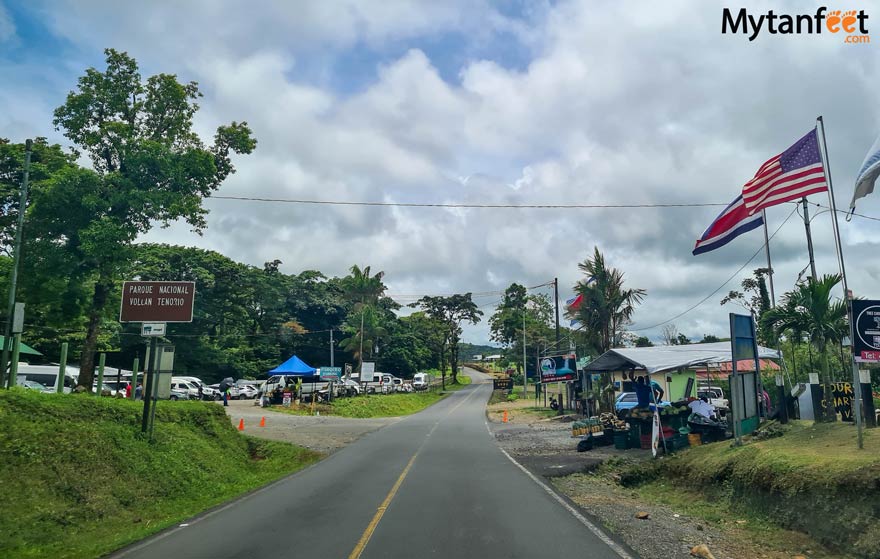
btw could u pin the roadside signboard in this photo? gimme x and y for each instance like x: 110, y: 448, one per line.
x: 367, y: 370
x: 866, y: 345
x: 557, y: 368
x: 330, y: 373
x: 157, y: 301
x: 153, y: 329
x: 502, y: 384
x: 285, y: 400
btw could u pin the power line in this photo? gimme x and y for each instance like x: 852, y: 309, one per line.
x: 720, y: 287
x: 461, y: 205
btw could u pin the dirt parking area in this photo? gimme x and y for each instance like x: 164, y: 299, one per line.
x: 324, y: 434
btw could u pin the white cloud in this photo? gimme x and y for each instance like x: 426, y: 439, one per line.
x: 7, y: 27
x: 616, y: 105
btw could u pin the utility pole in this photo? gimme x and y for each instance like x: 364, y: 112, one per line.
x: 16, y: 258
x: 331, y: 347
x: 525, y: 371
x: 556, y: 296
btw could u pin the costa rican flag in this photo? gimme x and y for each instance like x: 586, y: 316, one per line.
x: 733, y: 222
x: 574, y: 304
x: 793, y: 174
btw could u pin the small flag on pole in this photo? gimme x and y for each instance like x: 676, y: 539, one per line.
x: 574, y: 304
x: 733, y: 222
x: 867, y: 174
x: 793, y: 174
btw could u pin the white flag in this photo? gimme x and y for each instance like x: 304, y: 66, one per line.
x: 655, y: 434
x: 867, y: 174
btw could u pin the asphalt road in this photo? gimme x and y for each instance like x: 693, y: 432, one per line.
x: 433, y: 484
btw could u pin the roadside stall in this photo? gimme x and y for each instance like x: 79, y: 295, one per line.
x: 285, y: 379
x: 643, y: 400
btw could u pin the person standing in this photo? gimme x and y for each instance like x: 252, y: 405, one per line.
x: 226, y: 396
x: 128, y: 391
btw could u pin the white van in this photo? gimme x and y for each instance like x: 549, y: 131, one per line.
x: 208, y: 393
x: 309, y: 385
x: 191, y: 389
x: 47, y: 375
x: 421, y: 381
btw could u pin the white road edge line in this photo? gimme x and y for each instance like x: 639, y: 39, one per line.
x: 581, y: 518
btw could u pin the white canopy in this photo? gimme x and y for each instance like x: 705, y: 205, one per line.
x: 666, y: 358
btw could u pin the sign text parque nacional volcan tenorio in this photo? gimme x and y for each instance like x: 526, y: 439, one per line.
x: 157, y: 301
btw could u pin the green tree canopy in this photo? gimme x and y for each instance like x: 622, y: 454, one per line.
x: 149, y: 167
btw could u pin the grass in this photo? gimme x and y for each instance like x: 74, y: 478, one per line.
x: 378, y: 405
x: 81, y: 481
x: 806, y: 455
x: 772, y: 481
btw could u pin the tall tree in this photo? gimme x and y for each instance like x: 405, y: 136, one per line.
x: 363, y: 291
x: 451, y: 312
x: 149, y: 167
x: 517, y: 309
x: 809, y: 309
x: 643, y: 341
x: 607, y: 306
x: 755, y: 298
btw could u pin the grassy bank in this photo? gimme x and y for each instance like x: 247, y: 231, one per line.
x: 378, y: 405
x: 80, y: 480
x: 811, y: 478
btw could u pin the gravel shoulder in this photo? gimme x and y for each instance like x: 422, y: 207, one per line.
x: 325, y: 434
x: 545, y: 447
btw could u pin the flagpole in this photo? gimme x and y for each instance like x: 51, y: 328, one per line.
x: 767, y: 250
x: 857, y: 401
x: 809, y: 238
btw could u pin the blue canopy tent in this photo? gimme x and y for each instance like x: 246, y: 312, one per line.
x: 294, y: 367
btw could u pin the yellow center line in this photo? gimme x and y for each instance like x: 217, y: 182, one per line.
x: 371, y: 527
x: 380, y: 512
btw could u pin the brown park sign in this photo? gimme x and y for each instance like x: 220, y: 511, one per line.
x: 157, y: 301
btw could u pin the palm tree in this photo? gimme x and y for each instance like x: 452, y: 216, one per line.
x: 364, y: 291
x: 808, y: 310
x: 607, y: 306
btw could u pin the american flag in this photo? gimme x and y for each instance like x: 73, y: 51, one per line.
x: 791, y: 175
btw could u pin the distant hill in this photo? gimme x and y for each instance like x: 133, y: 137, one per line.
x: 467, y: 351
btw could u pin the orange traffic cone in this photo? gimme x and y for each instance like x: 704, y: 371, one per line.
x: 241, y: 424
x: 263, y: 421
x: 505, y: 417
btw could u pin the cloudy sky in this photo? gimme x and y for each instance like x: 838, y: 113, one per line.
x: 510, y: 102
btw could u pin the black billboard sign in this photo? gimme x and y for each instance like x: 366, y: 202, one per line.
x: 502, y: 384
x: 866, y: 345
x: 557, y: 368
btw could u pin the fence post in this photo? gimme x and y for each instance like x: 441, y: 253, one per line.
x: 134, y: 375
x: 13, y: 365
x: 101, y: 359
x: 62, y: 369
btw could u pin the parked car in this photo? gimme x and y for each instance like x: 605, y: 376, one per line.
x: 247, y: 391
x: 421, y: 381
x: 208, y: 393
x: 626, y: 401
x: 33, y: 385
x: 191, y: 390
x: 234, y: 392
x: 111, y: 386
x: 47, y: 375
x: 347, y: 387
x: 715, y: 395
x: 178, y: 395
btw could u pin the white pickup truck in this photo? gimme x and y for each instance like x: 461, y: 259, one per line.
x: 715, y: 395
